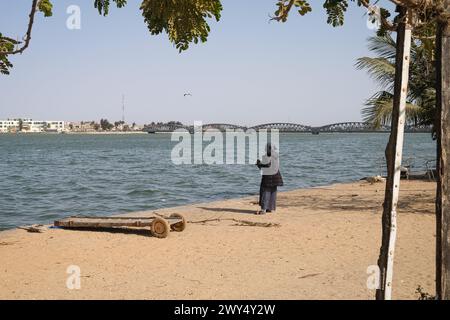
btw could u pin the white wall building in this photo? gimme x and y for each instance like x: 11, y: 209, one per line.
x: 58, y: 126
x: 29, y: 125
x: 9, y: 125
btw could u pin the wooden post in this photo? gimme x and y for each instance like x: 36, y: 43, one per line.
x: 394, y: 156
x: 443, y: 155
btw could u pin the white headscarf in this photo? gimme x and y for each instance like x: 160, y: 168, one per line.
x: 273, y: 159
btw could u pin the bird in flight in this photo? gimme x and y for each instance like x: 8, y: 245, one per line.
x: 187, y: 94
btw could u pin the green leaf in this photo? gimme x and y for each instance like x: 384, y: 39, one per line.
x: 335, y: 10
x: 6, y: 45
x: 184, y: 21
x: 45, y: 6
x: 103, y: 5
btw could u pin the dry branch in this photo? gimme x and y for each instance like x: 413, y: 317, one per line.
x: 27, y: 37
x: 239, y: 222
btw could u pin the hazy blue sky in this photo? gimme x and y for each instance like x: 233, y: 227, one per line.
x: 250, y: 71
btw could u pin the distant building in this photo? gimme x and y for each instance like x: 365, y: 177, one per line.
x: 9, y: 125
x: 57, y: 126
x: 137, y: 127
x: 29, y: 125
x: 83, y: 126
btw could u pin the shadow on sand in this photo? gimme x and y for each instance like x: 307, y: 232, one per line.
x: 357, y: 202
x: 231, y: 210
x: 123, y: 230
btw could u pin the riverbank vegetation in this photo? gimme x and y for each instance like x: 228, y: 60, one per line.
x: 421, y: 98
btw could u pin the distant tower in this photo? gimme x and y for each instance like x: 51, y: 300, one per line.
x: 123, y: 108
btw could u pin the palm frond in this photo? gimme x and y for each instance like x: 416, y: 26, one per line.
x: 421, y: 105
x: 378, y: 110
x: 379, y: 69
x: 383, y: 47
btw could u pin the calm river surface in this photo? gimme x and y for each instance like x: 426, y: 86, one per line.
x: 46, y: 176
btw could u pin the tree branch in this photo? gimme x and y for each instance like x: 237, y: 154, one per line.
x: 384, y: 22
x: 415, y: 4
x: 285, y: 13
x: 27, y: 37
x: 412, y: 4
x: 398, y: 2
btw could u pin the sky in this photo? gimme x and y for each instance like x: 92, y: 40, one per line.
x: 250, y: 71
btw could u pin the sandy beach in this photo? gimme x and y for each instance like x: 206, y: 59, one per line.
x: 317, y: 245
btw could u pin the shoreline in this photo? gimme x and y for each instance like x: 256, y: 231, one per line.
x: 106, y: 133
x: 318, y: 246
x: 71, y: 133
x: 188, y: 204
x: 169, y: 132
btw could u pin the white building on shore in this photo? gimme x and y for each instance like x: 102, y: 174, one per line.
x: 10, y: 125
x: 29, y: 125
x: 55, y: 126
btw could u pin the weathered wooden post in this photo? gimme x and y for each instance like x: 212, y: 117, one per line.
x: 394, y: 155
x: 443, y: 154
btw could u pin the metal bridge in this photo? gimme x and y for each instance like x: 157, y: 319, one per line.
x: 161, y: 128
x: 351, y: 127
x: 290, y: 127
x: 223, y: 126
x: 283, y: 127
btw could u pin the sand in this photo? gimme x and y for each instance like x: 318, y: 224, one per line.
x: 326, y: 239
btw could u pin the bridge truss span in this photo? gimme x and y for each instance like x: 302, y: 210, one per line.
x: 291, y: 127
x: 351, y: 127
x: 222, y: 126
x: 283, y: 127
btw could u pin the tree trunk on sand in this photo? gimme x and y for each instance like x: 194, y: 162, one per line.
x: 394, y: 157
x: 443, y: 156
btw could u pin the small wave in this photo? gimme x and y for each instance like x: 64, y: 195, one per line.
x: 145, y: 192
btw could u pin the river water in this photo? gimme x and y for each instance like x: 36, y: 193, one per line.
x: 48, y: 176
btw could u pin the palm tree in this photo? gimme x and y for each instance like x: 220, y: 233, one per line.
x: 421, y: 101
